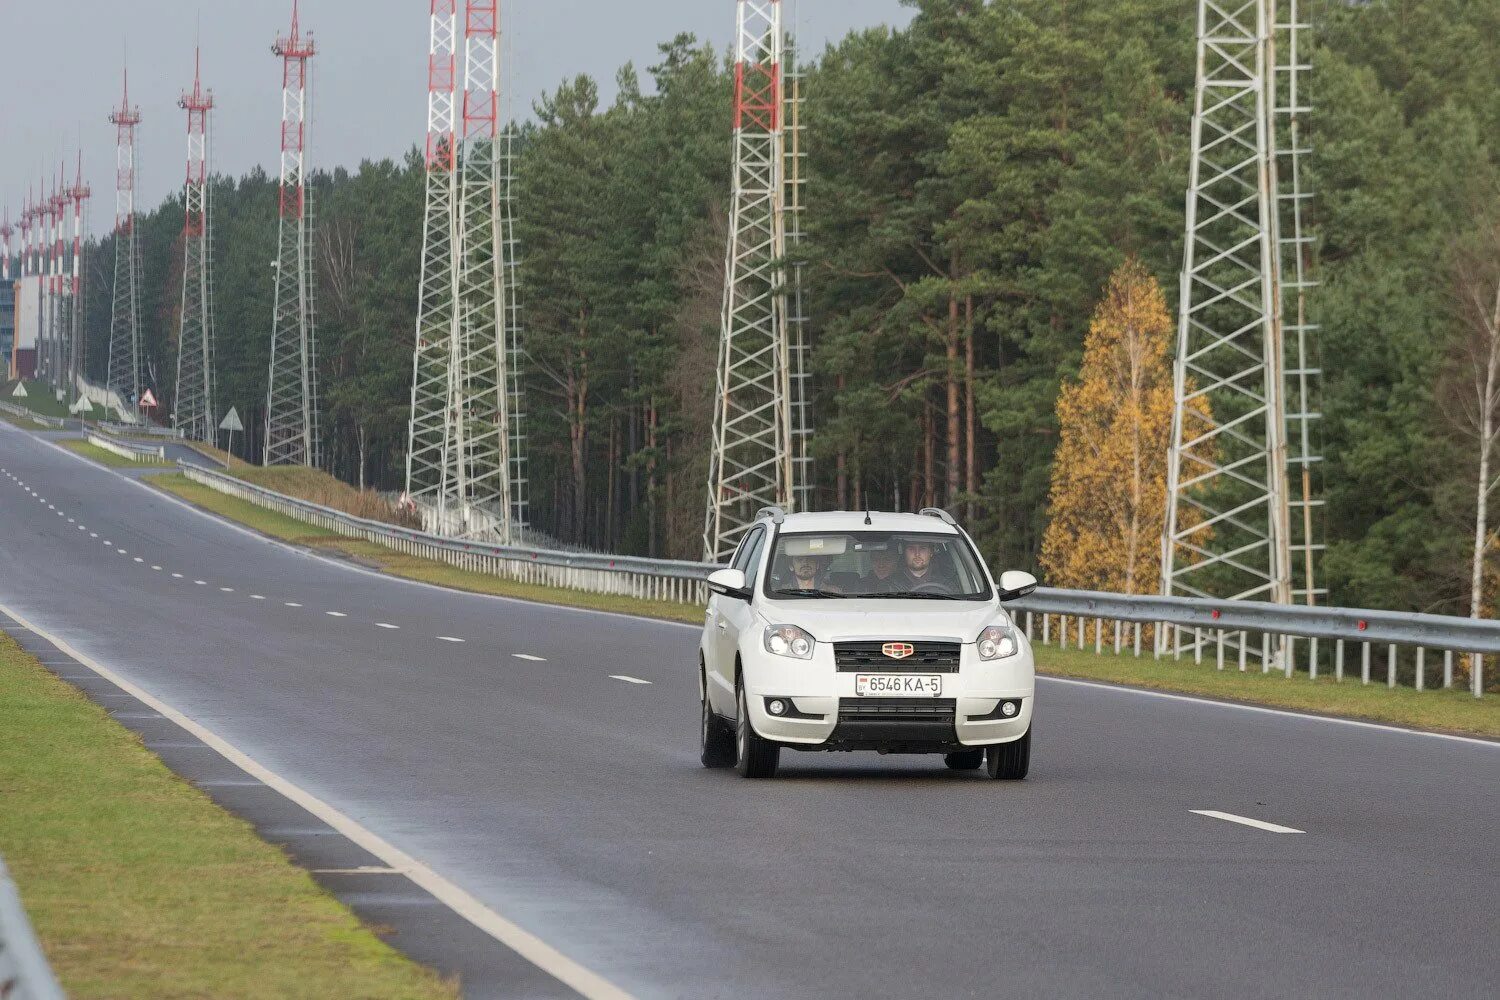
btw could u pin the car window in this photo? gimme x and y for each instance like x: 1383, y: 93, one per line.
x: 747, y: 548
x: 875, y: 564
x: 757, y: 550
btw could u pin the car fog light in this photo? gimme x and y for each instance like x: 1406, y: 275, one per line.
x: 1009, y: 709
x: 776, y: 706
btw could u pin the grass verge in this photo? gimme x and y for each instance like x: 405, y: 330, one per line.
x: 22, y: 422
x: 1452, y: 711
x: 1448, y: 711
x: 411, y: 567
x: 103, y: 457
x: 138, y: 885
x: 39, y: 398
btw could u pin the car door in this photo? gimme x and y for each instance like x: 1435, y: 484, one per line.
x: 718, y: 650
x: 736, y: 616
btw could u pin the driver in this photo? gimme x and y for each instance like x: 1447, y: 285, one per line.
x: 919, y: 567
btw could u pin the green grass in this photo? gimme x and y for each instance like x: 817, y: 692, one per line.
x: 108, y: 458
x: 22, y: 422
x: 1451, y: 711
x: 39, y: 398
x: 1448, y: 711
x: 139, y: 886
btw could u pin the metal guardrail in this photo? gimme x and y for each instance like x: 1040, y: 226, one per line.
x: 132, y: 450
x: 1317, y: 641
x: 32, y: 415
x: 24, y: 972
x: 140, y: 430
x: 628, y: 576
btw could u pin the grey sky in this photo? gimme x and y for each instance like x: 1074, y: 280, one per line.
x: 370, y: 74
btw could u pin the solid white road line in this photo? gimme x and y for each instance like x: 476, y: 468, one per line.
x: 528, y: 656
x: 1259, y: 824
x: 627, y: 679
x: 518, y: 939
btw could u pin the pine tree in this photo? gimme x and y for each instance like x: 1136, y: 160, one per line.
x: 1108, y: 500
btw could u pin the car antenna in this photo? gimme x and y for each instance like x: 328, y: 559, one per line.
x: 867, y: 516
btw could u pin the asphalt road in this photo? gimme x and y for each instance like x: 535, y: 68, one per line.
x: 572, y: 802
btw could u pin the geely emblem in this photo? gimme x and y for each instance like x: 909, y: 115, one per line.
x: 898, y: 650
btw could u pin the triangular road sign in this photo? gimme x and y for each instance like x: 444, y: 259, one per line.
x: 148, y: 401
x: 20, y: 392
x: 231, y: 421
x: 82, y: 406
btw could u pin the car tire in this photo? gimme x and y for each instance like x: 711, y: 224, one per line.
x: 965, y: 760
x: 755, y: 756
x: 1009, y: 761
x: 717, y: 737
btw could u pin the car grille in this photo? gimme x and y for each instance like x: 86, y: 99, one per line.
x: 930, y: 657
x: 897, y: 709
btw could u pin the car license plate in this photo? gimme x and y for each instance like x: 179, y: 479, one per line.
x: 898, y: 685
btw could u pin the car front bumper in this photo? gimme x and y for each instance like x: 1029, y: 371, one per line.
x: 829, y: 715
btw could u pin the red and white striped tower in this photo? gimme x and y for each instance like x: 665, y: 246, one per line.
x: 56, y: 334
x: 432, y: 468
x: 194, y: 399
x: 47, y: 281
x: 6, y: 232
x: 78, y: 195
x: 125, y: 325
x: 292, y: 390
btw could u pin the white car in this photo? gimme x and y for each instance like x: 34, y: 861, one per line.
x: 864, y: 631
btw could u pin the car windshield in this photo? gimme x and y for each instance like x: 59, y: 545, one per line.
x: 888, y: 565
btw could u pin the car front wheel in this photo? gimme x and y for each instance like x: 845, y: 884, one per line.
x: 1009, y: 761
x: 755, y: 756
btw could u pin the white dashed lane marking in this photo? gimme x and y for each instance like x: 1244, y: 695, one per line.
x: 335, y: 614
x: 627, y: 679
x: 1258, y: 824
x: 528, y: 656
x: 386, y: 625
x: 450, y: 638
x: 291, y: 604
x: 177, y: 576
x: 257, y: 597
x: 227, y: 590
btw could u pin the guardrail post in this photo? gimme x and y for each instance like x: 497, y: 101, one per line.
x: 1447, y: 669
x: 1220, y: 648
x: 1390, y: 667
x: 1476, y: 672
x: 1338, y: 661
x: 1421, y: 668
x: 1244, y: 649
x: 1364, y: 663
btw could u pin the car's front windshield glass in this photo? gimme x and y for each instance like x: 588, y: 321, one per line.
x: 887, y: 565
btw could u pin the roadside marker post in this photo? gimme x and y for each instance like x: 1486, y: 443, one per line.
x: 230, y: 423
x: 82, y: 407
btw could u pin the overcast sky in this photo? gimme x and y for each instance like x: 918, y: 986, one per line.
x: 370, y: 74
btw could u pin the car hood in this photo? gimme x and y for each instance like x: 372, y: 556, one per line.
x: 851, y: 618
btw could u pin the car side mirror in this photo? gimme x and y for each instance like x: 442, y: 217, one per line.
x: 1016, y: 584
x: 730, y: 583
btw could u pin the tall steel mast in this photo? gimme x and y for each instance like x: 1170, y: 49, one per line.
x: 125, y: 323
x: 753, y: 459
x: 465, y: 464
x: 292, y: 385
x: 194, y: 397
x: 78, y: 196
x: 1228, y: 531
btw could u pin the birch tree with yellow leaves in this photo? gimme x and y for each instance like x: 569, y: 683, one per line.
x: 1109, y: 479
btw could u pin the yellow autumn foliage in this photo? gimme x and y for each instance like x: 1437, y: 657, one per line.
x: 1108, y: 496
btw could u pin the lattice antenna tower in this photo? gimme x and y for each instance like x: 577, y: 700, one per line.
x: 125, y: 322
x: 1228, y: 531
x: 433, y: 474
x: 752, y: 463
x: 194, y: 396
x: 1294, y: 240
x: 61, y: 300
x: 46, y: 223
x: 78, y: 196
x: 797, y: 331
x: 292, y: 389
x: 7, y: 230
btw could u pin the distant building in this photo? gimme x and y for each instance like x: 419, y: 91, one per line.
x: 8, y: 326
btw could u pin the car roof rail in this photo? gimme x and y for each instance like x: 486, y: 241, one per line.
x: 938, y: 512
x: 776, y: 514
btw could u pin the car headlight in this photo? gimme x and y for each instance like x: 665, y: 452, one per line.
x: 997, y: 642
x: 789, y: 640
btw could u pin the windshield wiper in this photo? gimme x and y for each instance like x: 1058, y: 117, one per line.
x: 809, y: 593
x: 913, y: 595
